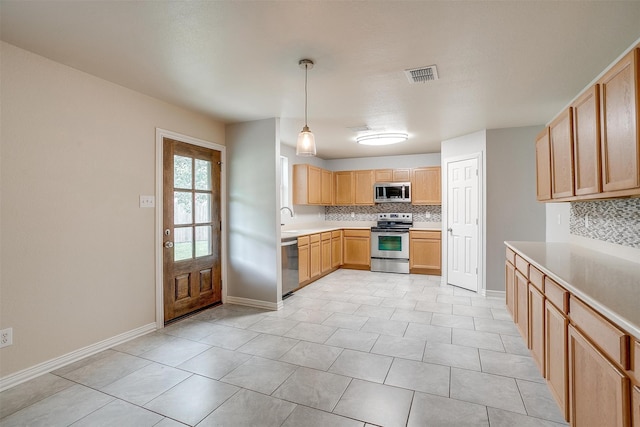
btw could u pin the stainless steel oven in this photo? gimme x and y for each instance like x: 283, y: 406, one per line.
x: 390, y: 243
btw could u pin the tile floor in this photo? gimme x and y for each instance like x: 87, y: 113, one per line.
x: 355, y: 348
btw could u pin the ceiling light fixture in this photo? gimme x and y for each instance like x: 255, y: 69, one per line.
x: 306, y: 145
x: 382, y: 138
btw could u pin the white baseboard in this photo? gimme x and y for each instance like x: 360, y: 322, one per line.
x: 254, y: 303
x: 493, y: 294
x: 57, y: 363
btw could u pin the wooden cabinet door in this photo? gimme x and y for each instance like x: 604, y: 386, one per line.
x: 383, y: 175
x: 586, y: 142
x: 536, y: 326
x: 425, y: 186
x: 598, y: 391
x: 619, y: 124
x: 363, y: 187
x: 314, y: 185
x: 336, y: 249
x: 425, y: 252
x: 510, y: 288
x: 543, y: 166
x: 343, y: 189
x: 401, y: 175
x: 326, y: 187
x: 635, y: 403
x: 304, y: 272
x: 356, y: 250
x: 561, y: 140
x: 556, y: 368
x: 325, y: 252
x: 315, y: 256
x: 522, y: 306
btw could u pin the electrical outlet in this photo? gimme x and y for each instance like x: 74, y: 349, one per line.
x: 353, y: 214
x: 586, y: 220
x: 427, y: 215
x: 6, y: 337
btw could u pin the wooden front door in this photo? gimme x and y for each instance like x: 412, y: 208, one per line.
x: 191, y: 212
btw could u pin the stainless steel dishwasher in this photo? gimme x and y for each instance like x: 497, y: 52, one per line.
x: 289, y: 266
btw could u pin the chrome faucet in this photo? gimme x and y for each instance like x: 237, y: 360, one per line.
x: 287, y: 208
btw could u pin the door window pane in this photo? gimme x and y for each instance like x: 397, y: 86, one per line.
x: 390, y: 243
x: 203, y: 175
x: 203, y: 241
x: 203, y: 207
x: 183, y: 243
x: 182, y: 172
x: 182, y: 207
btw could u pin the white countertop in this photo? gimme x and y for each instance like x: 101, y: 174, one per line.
x: 609, y: 284
x: 295, y: 230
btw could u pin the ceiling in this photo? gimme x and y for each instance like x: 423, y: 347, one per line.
x: 501, y: 64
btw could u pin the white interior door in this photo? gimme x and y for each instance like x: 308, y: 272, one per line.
x: 462, y: 223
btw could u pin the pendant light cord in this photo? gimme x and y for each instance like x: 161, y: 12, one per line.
x: 306, y: 67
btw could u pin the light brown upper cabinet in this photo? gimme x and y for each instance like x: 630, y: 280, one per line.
x: 543, y: 166
x: 343, y: 188
x: 392, y: 175
x: 620, y: 138
x: 326, y: 183
x: 561, y: 142
x: 586, y: 142
x: 363, y: 187
x: 309, y: 185
x: 594, y: 145
x: 425, y: 186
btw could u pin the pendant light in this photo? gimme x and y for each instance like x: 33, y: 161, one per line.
x: 306, y: 145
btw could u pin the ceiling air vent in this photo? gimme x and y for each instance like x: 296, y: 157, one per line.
x: 422, y: 74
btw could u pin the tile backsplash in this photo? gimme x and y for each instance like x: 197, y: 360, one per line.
x: 368, y: 213
x: 614, y: 221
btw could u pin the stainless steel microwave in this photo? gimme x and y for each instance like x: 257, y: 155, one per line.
x: 392, y: 192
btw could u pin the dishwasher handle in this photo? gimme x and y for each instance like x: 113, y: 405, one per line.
x: 291, y: 243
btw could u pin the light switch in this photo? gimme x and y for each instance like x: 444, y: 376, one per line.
x: 147, y: 201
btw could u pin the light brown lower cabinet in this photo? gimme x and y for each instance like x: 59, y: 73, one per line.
x: 325, y: 258
x: 510, y: 287
x: 556, y: 361
x: 315, y: 255
x: 599, y: 392
x: 336, y: 249
x: 522, y: 306
x: 356, y: 250
x: 536, y: 326
x: 425, y: 252
x: 304, y: 272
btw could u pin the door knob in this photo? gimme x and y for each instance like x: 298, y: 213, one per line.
x: 450, y: 230
x: 168, y: 245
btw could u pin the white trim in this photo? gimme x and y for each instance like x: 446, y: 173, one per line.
x: 160, y: 134
x: 58, y: 362
x: 481, y: 214
x: 494, y: 294
x: 255, y: 303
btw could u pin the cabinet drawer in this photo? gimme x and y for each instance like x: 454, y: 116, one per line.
x: 337, y: 233
x: 303, y: 240
x: 536, y: 277
x: 522, y: 266
x: 356, y: 233
x: 609, y: 338
x: 511, y: 256
x: 314, y: 238
x: 636, y: 361
x: 425, y: 234
x: 326, y: 236
x: 557, y: 295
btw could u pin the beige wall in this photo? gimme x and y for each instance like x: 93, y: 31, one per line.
x: 77, y: 253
